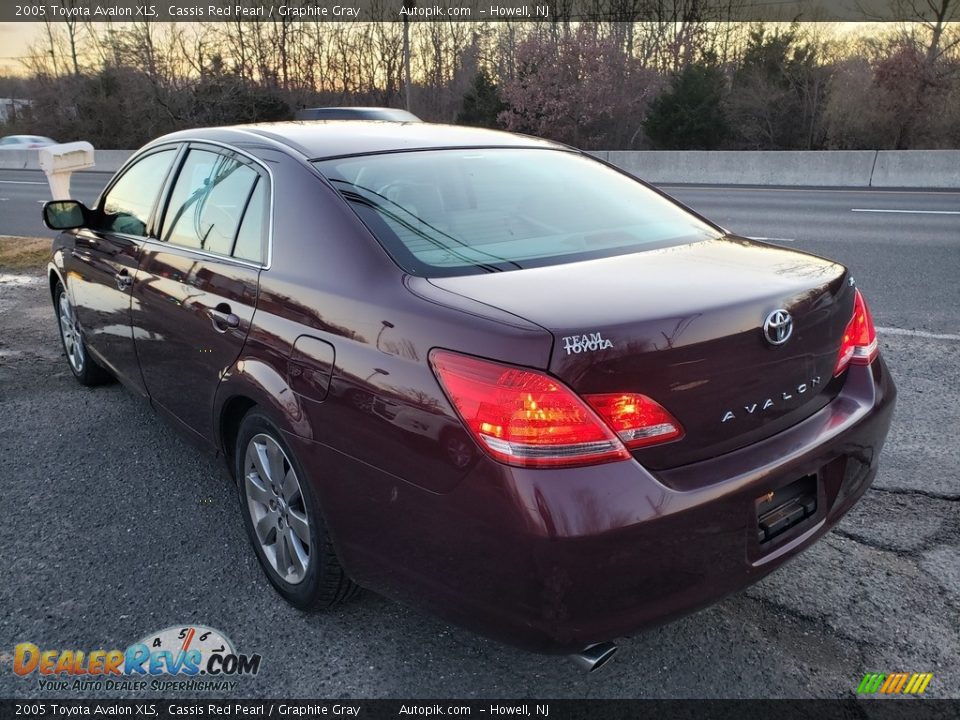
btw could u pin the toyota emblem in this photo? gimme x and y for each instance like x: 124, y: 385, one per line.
x: 778, y: 327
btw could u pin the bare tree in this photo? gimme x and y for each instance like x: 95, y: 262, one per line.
x: 586, y: 78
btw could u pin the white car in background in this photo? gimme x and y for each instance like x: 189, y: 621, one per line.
x: 25, y: 142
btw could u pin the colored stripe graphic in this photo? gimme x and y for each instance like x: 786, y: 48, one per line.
x: 925, y: 679
x: 871, y: 683
x: 894, y: 683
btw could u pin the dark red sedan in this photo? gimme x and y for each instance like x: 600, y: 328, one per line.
x: 481, y: 373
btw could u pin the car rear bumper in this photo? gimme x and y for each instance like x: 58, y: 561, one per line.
x: 554, y: 561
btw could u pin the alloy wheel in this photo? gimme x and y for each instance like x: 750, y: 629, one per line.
x: 277, y: 508
x: 70, y: 331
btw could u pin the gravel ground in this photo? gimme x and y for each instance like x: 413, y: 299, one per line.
x: 114, y: 527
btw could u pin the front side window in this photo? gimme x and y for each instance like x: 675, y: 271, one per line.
x: 127, y: 206
x: 464, y: 211
x: 208, y: 202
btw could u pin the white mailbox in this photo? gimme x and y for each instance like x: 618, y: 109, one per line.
x: 60, y: 161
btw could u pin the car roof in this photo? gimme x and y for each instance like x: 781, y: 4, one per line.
x: 318, y: 139
x: 355, y: 113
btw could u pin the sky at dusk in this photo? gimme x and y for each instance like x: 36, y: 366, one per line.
x: 16, y: 38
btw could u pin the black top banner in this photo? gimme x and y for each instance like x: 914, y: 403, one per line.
x: 637, y: 11
x: 851, y: 709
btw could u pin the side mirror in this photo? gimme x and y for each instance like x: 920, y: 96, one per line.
x: 64, y: 214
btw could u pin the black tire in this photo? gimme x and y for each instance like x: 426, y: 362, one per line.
x: 84, y: 368
x: 324, y: 584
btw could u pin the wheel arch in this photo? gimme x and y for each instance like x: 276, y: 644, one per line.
x: 255, y: 383
x: 54, y: 278
x: 231, y: 416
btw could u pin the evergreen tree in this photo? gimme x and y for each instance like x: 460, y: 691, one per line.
x: 481, y: 103
x: 778, y: 92
x: 690, y: 114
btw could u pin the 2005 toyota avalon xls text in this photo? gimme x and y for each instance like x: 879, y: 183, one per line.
x: 481, y: 373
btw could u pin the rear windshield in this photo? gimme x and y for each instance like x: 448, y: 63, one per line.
x: 466, y: 211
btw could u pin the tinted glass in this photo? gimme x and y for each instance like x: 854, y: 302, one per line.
x: 448, y: 212
x: 207, y: 202
x: 250, y: 239
x: 127, y: 207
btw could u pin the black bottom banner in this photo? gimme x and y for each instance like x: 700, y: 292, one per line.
x: 887, y: 709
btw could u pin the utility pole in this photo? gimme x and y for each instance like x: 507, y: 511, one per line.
x: 408, y: 5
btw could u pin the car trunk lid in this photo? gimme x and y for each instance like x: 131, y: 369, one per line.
x: 684, y: 326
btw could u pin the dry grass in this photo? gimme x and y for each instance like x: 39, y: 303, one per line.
x: 23, y: 253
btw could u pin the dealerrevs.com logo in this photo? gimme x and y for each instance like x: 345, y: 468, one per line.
x: 179, y: 658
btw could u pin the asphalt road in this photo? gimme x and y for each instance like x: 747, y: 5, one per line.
x: 114, y: 527
x: 902, y: 244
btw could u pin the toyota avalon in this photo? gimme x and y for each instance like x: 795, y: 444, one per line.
x: 477, y: 372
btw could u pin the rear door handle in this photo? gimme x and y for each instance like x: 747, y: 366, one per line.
x: 222, y: 318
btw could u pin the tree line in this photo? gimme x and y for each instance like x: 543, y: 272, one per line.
x: 692, y: 83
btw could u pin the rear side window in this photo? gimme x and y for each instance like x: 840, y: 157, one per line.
x: 207, y: 205
x: 128, y: 204
x: 463, y: 211
x: 253, y: 231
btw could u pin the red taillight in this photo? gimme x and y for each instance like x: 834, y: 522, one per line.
x: 524, y: 417
x: 637, y: 420
x: 859, y: 344
x: 528, y: 418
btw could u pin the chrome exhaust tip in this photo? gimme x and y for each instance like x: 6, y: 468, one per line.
x: 593, y: 657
